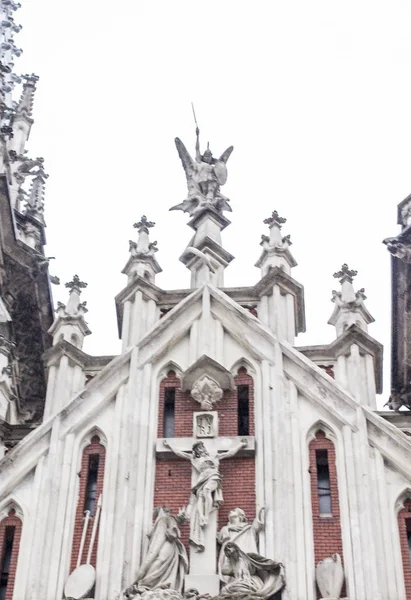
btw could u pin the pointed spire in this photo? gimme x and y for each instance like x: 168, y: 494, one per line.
x: 276, y: 251
x: 143, y: 245
x: 23, y: 116
x: 70, y: 324
x: 35, y: 200
x: 142, y: 262
x: 349, y: 304
x: 25, y: 105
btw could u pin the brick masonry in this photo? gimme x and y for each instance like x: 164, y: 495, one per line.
x: 185, y: 405
x: 11, y: 521
x: 403, y: 516
x: 94, y: 448
x: 327, y: 530
x: 173, y: 475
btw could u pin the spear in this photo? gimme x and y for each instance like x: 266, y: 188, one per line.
x: 194, y: 115
x: 83, y: 537
x: 94, y: 530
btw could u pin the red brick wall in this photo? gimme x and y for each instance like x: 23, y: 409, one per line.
x: 327, y: 530
x: 11, y: 521
x: 403, y: 515
x: 185, y: 405
x: 329, y: 369
x: 94, y: 448
x: 173, y: 475
x: 173, y: 483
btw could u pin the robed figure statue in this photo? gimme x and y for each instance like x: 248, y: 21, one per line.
x: 204, y: 175
x: 165, y: 564
x: 251, y: 576
x: 242, y: 533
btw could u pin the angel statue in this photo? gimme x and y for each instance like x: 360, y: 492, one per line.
x: 204, y: 175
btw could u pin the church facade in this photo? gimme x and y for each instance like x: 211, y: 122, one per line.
x: 214, y: 456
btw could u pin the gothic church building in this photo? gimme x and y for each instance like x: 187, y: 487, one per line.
x: 214, y: 457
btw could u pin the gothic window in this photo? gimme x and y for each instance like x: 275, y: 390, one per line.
x: 408, y: 523
x: 10, y: 533
x: 91, y: 488
x: 6, y: 560
x: 91, y: 477
x: 325, y: 498
x: 169, y: 410
x: 243, y: 399
x: 323, y: 482
x: 404, y: 526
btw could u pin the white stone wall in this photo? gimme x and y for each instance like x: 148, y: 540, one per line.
x: 292, y: 398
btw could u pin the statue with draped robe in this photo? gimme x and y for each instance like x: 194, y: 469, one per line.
x: 251, y: 576
x: 242, y: 533
x: 165, y: 563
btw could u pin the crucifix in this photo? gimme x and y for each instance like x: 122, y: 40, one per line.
x: 206, y: 496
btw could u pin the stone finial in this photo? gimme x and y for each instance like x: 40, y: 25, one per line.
x: 76, y: 283
x: 349, y: 304
x: 144, y: 224
x: 345, y: 274
x: 25, y: 105
x: 275, y: 219
x: 142, y: 261
x: 275, y: 246
x: 70, y: 324
x: 35, y: 199
x: 143, y: 245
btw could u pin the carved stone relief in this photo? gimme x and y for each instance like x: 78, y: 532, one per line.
x: 205, y: 424
x: 206, y: 392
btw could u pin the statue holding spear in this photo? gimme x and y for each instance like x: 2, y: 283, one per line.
x: 204, y: 176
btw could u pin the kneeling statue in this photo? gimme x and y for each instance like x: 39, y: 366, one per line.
x: 251, y: 576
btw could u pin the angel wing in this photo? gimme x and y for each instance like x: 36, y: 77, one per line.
x: 188, y: 162
x: 226, y: 154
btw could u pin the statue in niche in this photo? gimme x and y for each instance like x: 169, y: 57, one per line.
x: 204, y: 175
x: 252, y: 577
x: 166, y: 563
x: 206, y: 493
x: 242, y: 533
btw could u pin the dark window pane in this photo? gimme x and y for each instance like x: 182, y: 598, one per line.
x: 5, y: 560
x: 408, y: 524
x: 243, y: 393
x: 169, y: 409
x: 323, y: 482
x: 91, y: 488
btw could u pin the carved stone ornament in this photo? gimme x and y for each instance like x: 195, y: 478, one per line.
x: 205, y: 424
x: 207, y: 392
x: 406, y: 214
x: 330, y: 577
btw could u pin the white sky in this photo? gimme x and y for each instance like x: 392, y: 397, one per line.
x: 314, y: 96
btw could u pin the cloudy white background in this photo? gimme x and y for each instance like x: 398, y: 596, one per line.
x: 314, y: 95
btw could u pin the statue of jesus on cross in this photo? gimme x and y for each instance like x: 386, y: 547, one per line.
x: 206, y: 491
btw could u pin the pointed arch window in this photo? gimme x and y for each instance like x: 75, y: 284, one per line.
x: 170, y: 404
x: 325, y: 498
x: 323, y: 483
x: 91, y: 479
x: 169, y: 411
x: 404, y: 527
x: 245, y: 402
x: 10, y: 534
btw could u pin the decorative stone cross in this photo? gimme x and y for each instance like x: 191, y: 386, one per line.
x: 206, y: 493
x: 76, y: 283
